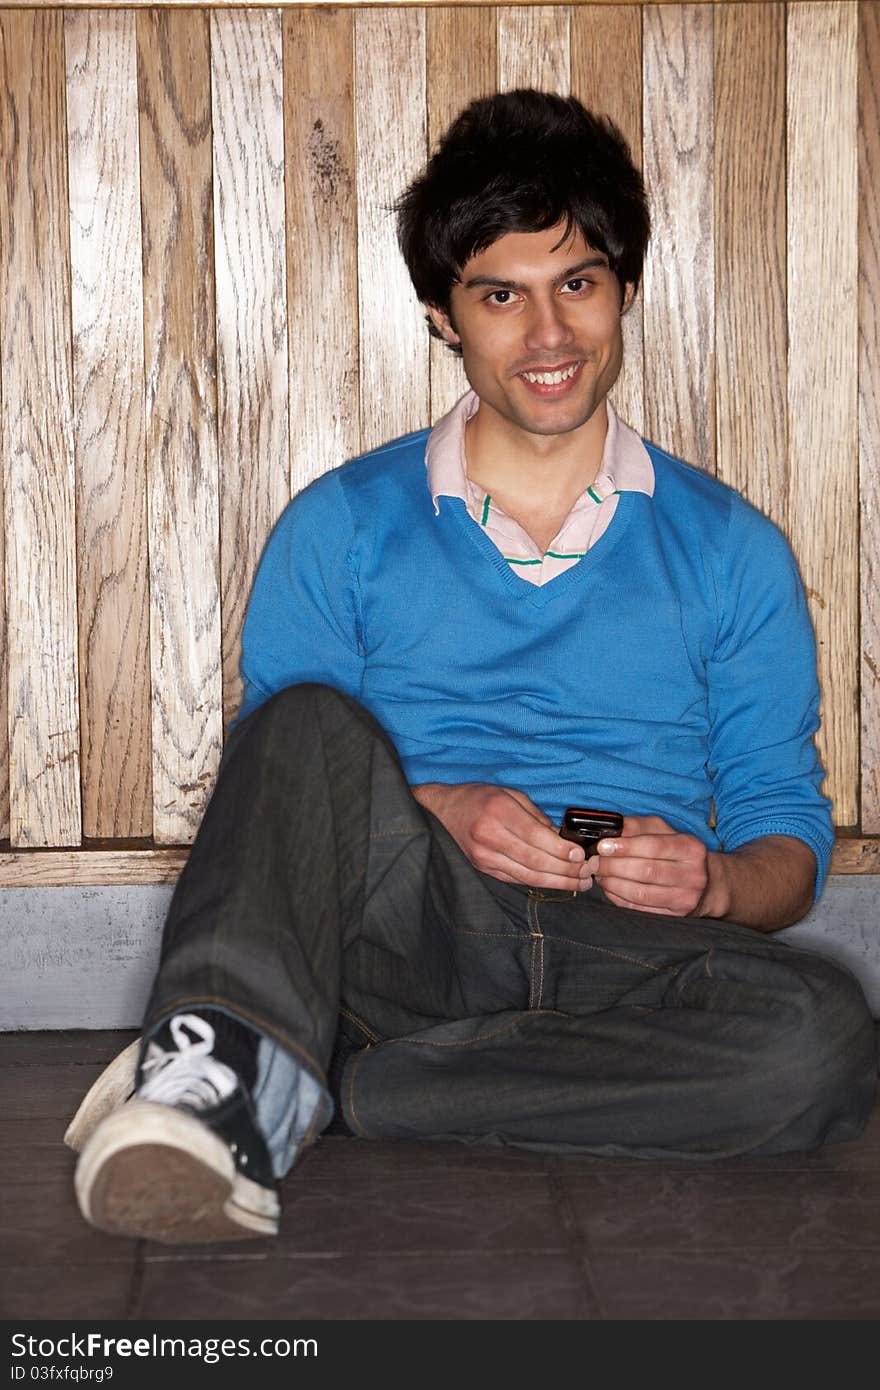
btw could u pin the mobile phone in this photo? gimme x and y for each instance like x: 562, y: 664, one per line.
x: 587, y: 827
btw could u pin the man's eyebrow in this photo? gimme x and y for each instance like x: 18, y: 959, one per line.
x: 591, y: 263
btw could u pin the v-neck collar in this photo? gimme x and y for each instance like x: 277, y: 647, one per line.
x: 540, y: 595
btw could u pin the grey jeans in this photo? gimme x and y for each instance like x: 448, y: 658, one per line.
x: 324, y: 906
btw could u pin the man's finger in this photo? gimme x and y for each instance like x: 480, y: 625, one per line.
x: 512, y: 871
x: 675, y: 848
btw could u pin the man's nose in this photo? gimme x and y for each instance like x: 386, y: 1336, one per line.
x: 548, y: 325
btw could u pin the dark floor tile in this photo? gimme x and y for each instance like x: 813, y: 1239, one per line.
x: 33, y: 1151
x: 45, y: 1090
x: 75, y: 1046
x: 65, y: 1291
x: 336, y: 1158
x: 757, y: 1284
x: 411, y: 1213
x: 475, y: 1285
x: 42, y: 1226
x: 672, y: 1211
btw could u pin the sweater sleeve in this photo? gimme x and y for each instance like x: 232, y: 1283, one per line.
x: 764, y: 697
x: 303, y: 617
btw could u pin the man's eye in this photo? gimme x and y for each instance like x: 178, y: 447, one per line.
x: 575, y: 286
x: 500, y: 297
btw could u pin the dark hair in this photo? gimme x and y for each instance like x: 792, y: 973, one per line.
x: 522, y: 161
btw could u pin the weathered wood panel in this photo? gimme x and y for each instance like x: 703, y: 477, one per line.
x: 108, y: 379
x: 251, y: 286
x: 750, y: 254
x: 48, y: 868
x: 606, y: 75
x: 391, y: 125
x: 37, y: 434
x: 462, y: 65
x: 680, y: 267
x: 180, y: 362
x: 823, y: 362
x: 321, y: 242
x: 869, y: 409
x: 534, y: 48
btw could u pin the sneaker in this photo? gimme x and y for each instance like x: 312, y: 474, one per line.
x: 182, y: 1161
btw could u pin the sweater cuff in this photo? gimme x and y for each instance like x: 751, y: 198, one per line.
x: 819, y: 843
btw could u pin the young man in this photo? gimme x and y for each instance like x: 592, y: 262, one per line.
x: 449, y: 642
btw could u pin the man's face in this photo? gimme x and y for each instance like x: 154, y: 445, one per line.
x: 539, y: 328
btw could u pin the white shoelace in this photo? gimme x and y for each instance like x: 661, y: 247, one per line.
x: 189, y: 1075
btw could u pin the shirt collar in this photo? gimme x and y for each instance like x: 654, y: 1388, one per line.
x: 626, y: 464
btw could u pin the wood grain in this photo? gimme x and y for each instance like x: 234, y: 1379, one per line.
x: 37, y: 435
x: 869, y: 408
x: 680, y: 266
x: 534, y: 48
x: 47, y: 868
x: 391, y: 124
x: 606, y: 75
x: 750, y: 254
x: 250, y: 264
x: 180, y: 362
x: 108, y: 380
x: 90, y: 867
x: 823, y: 362
x: 462, y: 65
x: 321, y: 242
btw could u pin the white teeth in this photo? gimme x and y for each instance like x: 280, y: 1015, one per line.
x: 551, y: 378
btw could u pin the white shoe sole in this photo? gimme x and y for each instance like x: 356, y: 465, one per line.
x: 111, y: 1090
x: 155, y: 1172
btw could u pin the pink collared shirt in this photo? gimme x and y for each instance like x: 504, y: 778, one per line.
x: 626, y: 467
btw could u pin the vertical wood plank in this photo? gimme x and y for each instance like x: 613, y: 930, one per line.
x: 321, y: 241
x: 391, y: 124
x: 180, y: 362
x: 249, y: 250
x: 37, y: 434
x: 823, y: 226
x: 750, y: 253
x: 680, y: 266
x: 869, y: 408
x: 534, y: 48
x: 606, y: 75
x: 108, y: 380
x: 462, y: 65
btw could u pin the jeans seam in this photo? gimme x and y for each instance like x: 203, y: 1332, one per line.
x: 355, y: 1120
x: 468, y: 1042
x: 504, y: 935
x: 396, y: 834
x: 618, y: 955
x: 359, y: 1023
x: 536, y: 964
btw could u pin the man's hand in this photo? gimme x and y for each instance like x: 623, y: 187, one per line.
x: 766, y: 884
x: 653, y: 868
x: 504, y: 834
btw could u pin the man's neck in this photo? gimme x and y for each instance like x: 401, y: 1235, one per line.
x: 547, y: 471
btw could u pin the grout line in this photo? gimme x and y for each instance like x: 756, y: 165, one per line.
x: 136, y: 1282
x: 576, y: 1240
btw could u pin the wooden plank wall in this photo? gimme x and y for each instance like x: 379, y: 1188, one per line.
x: 202, y: 308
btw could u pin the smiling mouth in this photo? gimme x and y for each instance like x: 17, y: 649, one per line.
x: 554, y: 381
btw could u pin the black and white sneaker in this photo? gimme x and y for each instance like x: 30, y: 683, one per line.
x: 182, y: 1160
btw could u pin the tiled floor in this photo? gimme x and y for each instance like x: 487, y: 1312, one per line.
x: 444, y: 1231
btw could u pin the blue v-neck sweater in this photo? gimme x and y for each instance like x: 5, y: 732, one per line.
x: 673, y: 664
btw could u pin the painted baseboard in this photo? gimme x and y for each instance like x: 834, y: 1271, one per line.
x: 73, y: 957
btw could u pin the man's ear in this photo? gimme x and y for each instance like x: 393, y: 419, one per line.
x: 629, y: 294
x: 442, y: 322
